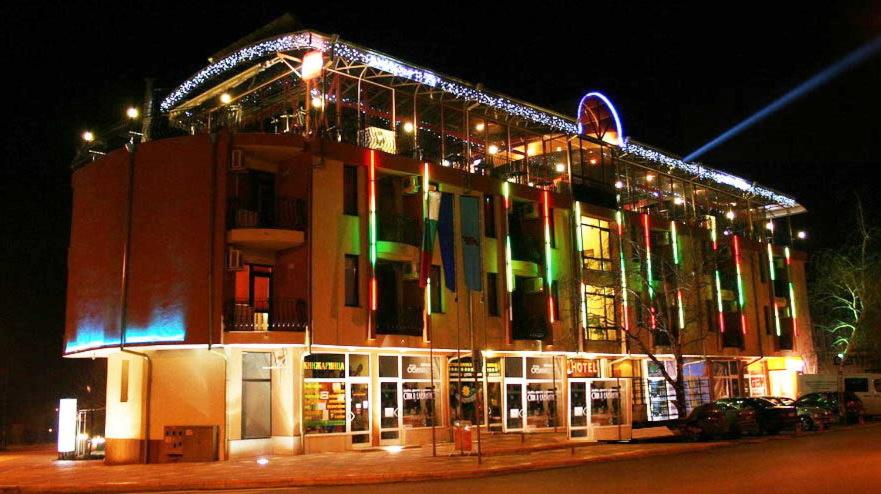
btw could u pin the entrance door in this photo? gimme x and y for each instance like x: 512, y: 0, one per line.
x: 579, y: 409
x: 494, y: 405
x: 515, y: 411
x: 390, y: 412
x: 359, y: 413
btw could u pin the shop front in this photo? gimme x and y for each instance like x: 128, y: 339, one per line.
x: 599, y: 407
x: 336, y: 401
x: 408, y: 403
x: 530, y: 394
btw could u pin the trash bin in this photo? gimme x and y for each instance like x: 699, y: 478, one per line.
x: 462, y: 435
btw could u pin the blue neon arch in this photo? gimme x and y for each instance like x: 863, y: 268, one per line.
x: 606, y: 101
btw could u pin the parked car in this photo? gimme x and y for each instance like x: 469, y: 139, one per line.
x: 853, y: 406
x: 810, y: 416
x: 704, y: 422
x: 772, y: 418
x: 718, y: 419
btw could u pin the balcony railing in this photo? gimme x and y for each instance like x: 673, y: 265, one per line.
x: 288, y: 214
x: 399, y: 228
x: 275, y: 314
x: 400, y: 320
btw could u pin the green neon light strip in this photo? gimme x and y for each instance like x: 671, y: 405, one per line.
x: 509, y: 269
x: 619, y: 219
x: 675, y: 238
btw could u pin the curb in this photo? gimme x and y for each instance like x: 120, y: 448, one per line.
x: 377, y: 478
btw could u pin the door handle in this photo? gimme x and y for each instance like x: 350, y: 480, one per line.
x: 350, y: 416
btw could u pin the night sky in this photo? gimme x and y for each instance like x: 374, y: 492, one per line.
x: 679, y: 76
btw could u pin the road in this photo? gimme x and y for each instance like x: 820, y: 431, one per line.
x: 833, y: 462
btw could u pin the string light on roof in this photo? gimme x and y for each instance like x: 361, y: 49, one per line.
x: 314, y: 41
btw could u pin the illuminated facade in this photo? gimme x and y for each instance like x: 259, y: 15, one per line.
x: 331, y: 249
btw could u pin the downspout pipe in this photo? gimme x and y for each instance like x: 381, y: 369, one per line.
x: 124, y: 282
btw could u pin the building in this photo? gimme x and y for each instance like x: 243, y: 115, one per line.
x: 329, y: 248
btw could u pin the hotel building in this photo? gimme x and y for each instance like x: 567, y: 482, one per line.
x: 318, y: 247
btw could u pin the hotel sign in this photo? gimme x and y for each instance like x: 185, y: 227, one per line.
x: 582, y: 368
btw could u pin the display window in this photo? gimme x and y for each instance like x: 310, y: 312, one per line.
x: 660, y: 395
x: 336, y: 395
x: 531, y: 387
x: 408, y: 395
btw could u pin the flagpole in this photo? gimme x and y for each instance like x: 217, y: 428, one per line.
x: 474, y: 370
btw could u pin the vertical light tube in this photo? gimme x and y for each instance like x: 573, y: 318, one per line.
x: 548, y: 254
x: 792, y: 308
x: 773, y: 276
x: 509, y: 268
x: 648, y: 265
x: 371, y: 225
x: 715, y: 240
x: 619, y: 219
x: 579, y: 247
x: 740, y: 296
x: 675, y: 239
x: 425, y: 185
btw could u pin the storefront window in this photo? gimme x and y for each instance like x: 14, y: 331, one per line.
x: 336, y: 395
x: 726, y: 379
x: 419, y: 404
x: 661, y: 395
x: 605, y: 403
x: 541, y: 405
x: 324, y: 407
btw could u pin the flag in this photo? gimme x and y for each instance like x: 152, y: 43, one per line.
x: 469, y: 210
x: 429, y: 229
x: 445, y: 226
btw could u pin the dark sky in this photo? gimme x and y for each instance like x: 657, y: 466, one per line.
x: 679, y: 75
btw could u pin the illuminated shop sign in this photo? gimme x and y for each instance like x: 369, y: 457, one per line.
x: 582, y: 368
x: 418, y: 394
x: 324, y: 366
x: 539, y: 368
x: 534, y: 395
x: 416, y: 368
x: 67, y: 415
x: 464, y: 368
x: 604, y: 393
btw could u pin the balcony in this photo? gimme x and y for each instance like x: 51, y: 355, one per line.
x: 266, y: 315
x: 785, y: 340
x: 733, y: 335
x: 398, y: 237
x: 268, y: 229
x: 399, y: 320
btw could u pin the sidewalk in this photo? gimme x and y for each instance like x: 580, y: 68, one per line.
x: 31, y: 471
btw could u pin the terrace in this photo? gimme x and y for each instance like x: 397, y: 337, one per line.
x: 319, y: 86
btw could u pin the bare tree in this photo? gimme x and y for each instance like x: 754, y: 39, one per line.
x: 846, y: 294
x: 666, y: 287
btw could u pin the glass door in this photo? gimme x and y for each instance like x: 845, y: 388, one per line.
x: 579, y: 410
x: 359, y: 413
x: 514, y: 408
x: 390, y: 412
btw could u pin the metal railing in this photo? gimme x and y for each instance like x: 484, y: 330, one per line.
x: 276, y: 314
x: 288, y: 214
x: 399, y: 320
x: 399, y: 228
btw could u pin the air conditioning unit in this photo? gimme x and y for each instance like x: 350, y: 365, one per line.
x: 411, y: 271
x: 237, y: 161
x: 234, y: 260
x: 378, y: 139
x: 412, y: 185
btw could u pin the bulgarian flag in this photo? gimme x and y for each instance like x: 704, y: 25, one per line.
x: 429, y: 232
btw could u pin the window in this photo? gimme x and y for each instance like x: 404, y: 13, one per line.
x: 551, y: 228
x: 256, y: 395
x: 769, y: 321
x: 352, y: 281
x: 595, y: 244
x: 489, y: 216
x: 123, y: 382
x: 555, y: 298
x: 856, y: 384
x: 436, y: 290
x: 350, y: 190
x: 601, y: 321
x: 712, y: 316
x: 492, y: 294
